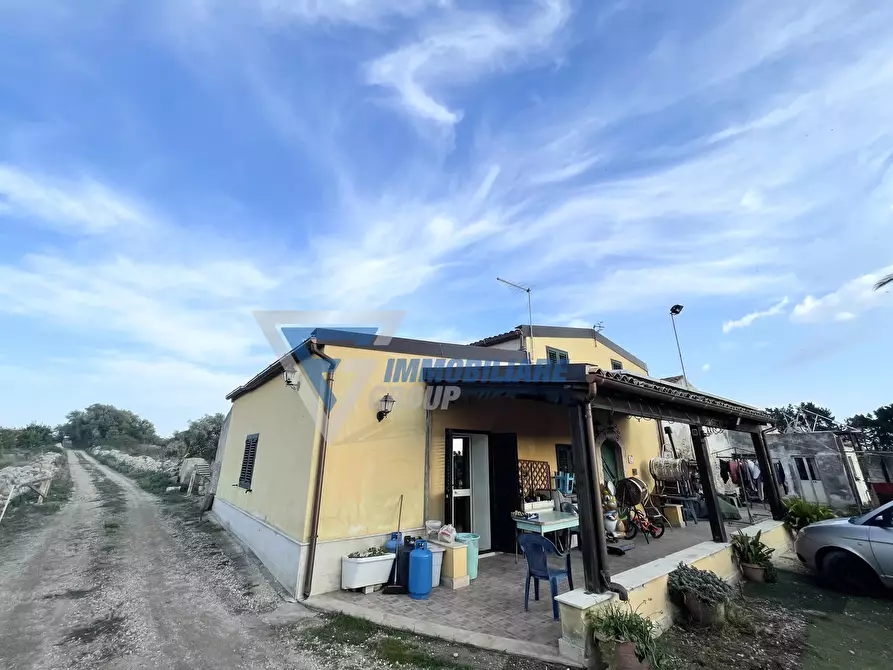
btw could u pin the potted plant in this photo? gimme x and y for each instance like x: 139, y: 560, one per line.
x: 752, y: 554
x: 704, y: 593
x: 620, y: 638
x: 367, y: 568
x: 801, y: 513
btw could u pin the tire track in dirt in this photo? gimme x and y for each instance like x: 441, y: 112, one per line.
x: 108, y: 584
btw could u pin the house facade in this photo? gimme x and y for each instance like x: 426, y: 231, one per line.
x: 310, y: 471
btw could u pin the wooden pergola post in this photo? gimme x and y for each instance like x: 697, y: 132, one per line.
x: 587, y: 497
x: 767, y: 472
x: 705, y: 471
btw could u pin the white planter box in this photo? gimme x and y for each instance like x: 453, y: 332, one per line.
x: 357, y: 573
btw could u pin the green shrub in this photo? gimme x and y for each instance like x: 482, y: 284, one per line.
x: 801, y: 513
x: 706, y: 586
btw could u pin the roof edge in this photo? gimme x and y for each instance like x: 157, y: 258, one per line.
x: 561, y: 331
x: 394, y: 345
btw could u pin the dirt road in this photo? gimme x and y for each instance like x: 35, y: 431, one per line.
x: 112, y: 581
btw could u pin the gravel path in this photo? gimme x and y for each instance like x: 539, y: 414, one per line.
x: 112, y: 581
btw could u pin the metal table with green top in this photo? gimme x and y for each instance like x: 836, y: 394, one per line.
x: 546, y: 522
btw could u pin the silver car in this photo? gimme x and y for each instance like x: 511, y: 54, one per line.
x: 854, y: 554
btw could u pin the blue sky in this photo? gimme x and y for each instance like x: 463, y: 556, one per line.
x: 167, y: 167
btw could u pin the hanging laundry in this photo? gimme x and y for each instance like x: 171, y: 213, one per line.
x: 724, y: 471
x: 733, y: 472
x: 753, y: 469
x: 780, y: 475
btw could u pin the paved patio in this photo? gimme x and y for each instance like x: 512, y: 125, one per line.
x: 494, y: 602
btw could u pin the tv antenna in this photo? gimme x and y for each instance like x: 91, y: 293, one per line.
x: 526, y: 290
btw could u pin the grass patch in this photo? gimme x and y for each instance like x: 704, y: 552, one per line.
x: 841, y: 630
x: 400, y: 652
x: 342, y: 629
x: 152, y: 482
x: 395, y: 647
x: 112, y: 495
x: 156, y: 482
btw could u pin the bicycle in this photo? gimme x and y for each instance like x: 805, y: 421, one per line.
x: 636, y: 520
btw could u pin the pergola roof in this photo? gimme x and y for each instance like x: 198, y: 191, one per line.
x: 613, y: 390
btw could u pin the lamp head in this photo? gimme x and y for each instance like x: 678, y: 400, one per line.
x: 385, y: 405
x: 675, y: 309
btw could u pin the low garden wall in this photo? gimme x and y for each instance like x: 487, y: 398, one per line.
x: 647, y: 585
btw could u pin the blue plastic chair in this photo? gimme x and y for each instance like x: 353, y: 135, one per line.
x: 537, y: 550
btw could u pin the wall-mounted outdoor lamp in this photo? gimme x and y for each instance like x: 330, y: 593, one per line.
x: 385, y: 405
x: 291, y: 378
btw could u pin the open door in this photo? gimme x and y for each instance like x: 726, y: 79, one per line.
x: 457, y: 507
x: 505, y: 490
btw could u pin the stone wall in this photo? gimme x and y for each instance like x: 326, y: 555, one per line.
x: 43, y: 467
x: 139, y: 463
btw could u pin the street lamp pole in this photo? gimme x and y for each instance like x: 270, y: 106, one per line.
x: 674, y: 310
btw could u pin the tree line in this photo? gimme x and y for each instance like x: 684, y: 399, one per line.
x: 876, y: 427
x: 107, y: 425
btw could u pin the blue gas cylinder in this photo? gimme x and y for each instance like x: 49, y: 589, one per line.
x: 420, y: 562
x: 395, y: 541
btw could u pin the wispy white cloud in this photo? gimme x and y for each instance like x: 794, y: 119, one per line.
x: 748, y: 319
x: 79, y: 206
x: 705, y: 367
x: 337, y: 11
x: 168, y: 391
x: 849, y: 301
x: 641, y: 288
x: 198, y: 312
x: 460, y: 48
x: 312, y: 13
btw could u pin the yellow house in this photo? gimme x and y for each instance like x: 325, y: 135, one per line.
x: 303, y: 485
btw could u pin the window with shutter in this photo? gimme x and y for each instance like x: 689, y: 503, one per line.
x: 250, y: 453
x: 556, y: 355
x: 616, y: 365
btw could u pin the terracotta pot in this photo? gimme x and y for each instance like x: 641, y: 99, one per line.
x: 753, y: 573
x: 625, y: 657
x: 606, y: 654
x: 707, y: 614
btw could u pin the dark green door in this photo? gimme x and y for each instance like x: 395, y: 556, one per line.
x: 610, y: 466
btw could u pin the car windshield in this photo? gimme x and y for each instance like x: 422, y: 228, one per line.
x: 852, y: 519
